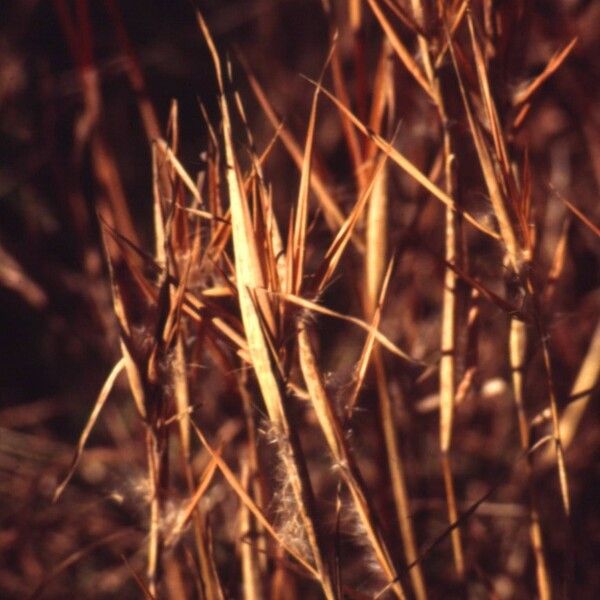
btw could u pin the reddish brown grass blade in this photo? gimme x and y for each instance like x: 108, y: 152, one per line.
x: 407, y: 166
x: 400, y: 49
x: 553, y: 65
x: 380, y: 337
x: 582, y: 217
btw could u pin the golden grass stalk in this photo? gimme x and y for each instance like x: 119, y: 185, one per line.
x: 187, y: 511
x: 334, y: 436
x: 257, y: 485
x: 581, y: 391
x: 129, y: 288
x: 251, y: 569
x: 496, y: 173
x: 154, y: 456
x: 397, y: 475
x: 457, y: 20
x: 383, y: 101
x: 492, y: 177
x: 517, y: 349
x: 337, y: 247
x: 258, y: 322
x: 447, y: 385
x: 555, y: 419
x: 377, y: 240
x: 297, y: 243
x: 376, y: 288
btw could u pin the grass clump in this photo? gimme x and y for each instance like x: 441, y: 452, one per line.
x: 352, y: 347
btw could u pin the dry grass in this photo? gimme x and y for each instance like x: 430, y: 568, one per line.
x: 383, y: 388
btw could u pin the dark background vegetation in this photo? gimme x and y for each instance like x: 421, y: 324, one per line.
x: 58, y: 337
